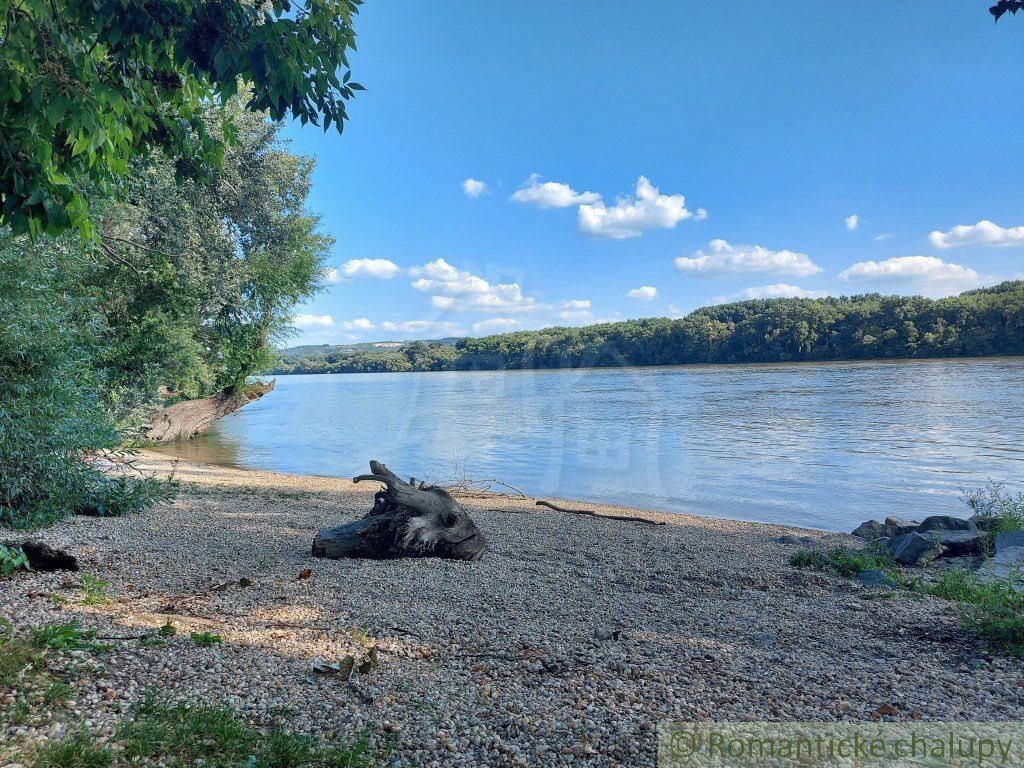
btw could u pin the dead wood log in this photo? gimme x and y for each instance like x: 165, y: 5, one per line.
x: 407, y: 520
x: 589, y: 513
x: 185, y: 420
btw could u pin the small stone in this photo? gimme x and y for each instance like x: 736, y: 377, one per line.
x: 603, y: 634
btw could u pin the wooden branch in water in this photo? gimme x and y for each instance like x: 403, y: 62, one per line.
x: 591, y: 513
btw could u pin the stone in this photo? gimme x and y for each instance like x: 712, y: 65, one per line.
x: 871, y: 529
x: 959, y: 543
x: 915, y: 549
x: 1010, y: 539
x: 1007, y: 565
x: 603, y: 634
x: 873, y: 577
x: 945, y: 523
x: 898, y: 525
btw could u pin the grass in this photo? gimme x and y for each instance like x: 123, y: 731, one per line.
x: 78, y: 751
x: 213, y: 735
x: 995, y: 510
x: 205, y: 638
x: 844, y: 561
x: 993, y: 610
x: 95, y: 591
x: 64, y: 637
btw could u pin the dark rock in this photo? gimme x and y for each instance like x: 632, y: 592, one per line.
x: 1009, y: 539
x: 1007, y: 565
x: 873, y: 577
x: 871, y: 529
x: 43, y: 557
x: 958, y: 543
x: 915, y: 549
x: 898, y: 526
x: 945, y: 523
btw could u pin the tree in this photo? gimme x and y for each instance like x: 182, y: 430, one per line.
x: 86, y: 86
x: 999, y: 9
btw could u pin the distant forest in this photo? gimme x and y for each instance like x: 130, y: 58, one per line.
x: 989, y: 321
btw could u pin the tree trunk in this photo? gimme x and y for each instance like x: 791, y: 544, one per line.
x: 185, y: 420
x: 407, y: 520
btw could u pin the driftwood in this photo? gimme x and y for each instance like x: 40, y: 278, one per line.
x: 407, y: 520
x: 185, y: 420
x: 590, y: 513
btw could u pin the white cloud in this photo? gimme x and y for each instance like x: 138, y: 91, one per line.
x: 777, y: 291
x: 632, y: 216
x: 422, y: 326
x: 551, y: 194
x: 381, y: 269
x: 882, y: 237
x: 983, y: 233
x: 456, y: 290
x: 674, y: 311
x: 495, y: 323
x: 852, y: 222
x: 724, y: 258
x: 359, y: 324
x: 473, y: 187
x: 574, y: 304
x: 332, y: 275
x: 643, y: 293
x: 574, y: 315
x: 929, y: 274
x: 307, y: 321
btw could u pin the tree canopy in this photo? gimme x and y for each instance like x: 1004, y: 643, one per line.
x: 87, y: 86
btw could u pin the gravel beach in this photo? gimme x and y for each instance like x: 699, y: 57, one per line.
x: 565, y: 645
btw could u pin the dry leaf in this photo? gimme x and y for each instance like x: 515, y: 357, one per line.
x: 305, y: 573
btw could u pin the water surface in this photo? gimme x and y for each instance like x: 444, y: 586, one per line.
x: 819, y: 445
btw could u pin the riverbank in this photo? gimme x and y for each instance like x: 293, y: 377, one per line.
x: 565, y: 645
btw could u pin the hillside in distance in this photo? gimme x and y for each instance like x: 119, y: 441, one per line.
x: 988, y: 321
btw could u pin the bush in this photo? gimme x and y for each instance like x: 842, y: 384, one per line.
x: 52, y: 417
x: 992, y: 610
x: 994, y: 509
x: 844, y: 561
x: 12, y: 559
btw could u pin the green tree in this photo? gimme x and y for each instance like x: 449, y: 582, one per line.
x: 86, y: 86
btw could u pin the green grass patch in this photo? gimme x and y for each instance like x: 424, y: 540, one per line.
x: 844, y: 561
x: 78, y: 751
x: 992, y: 610
x: 205, y: 638
x: 63, y: 637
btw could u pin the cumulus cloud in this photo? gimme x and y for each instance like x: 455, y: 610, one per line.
x: 724, y: 258
x: 984, y: 232
x: 575, y: 304
x: 551, y: 194
x: 929, y: 274
x: 643, y: 293
x: 852, y: 222
x: 632, y: 216
x: 495, y: 323
x: 456, y: 290
x: 380, y: 269
x: 473, y: 187
x: 777, y: 291
x: 422, y: 327
x: 306, y: 321
x: 332, y: 275
x: 359, y: 324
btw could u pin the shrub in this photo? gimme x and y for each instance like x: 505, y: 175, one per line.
x: 844, y: 561
x: 12, y: 559
x: 994, y: 509
x: 993, y: 610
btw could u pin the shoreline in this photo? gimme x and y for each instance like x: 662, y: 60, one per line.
x: 565, y: 645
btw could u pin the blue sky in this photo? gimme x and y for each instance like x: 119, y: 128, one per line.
x: 775, y: 122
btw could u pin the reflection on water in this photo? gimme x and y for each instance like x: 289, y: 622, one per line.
x: 820, y: 445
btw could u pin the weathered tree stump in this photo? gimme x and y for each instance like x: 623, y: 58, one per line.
x: 407, y: 520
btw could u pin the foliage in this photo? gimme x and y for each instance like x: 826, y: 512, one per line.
x: 63, y: 637
x: 843, y: 561
x: 1002, y: 6
x: 993, y: 610
x: 183, y: 734
x: 12, y: 559
x: 983, y: 322
x: 86, y: 86
x: 994, y: 509
x: 205, y: 638
x: 95, y: 591
x: 51, y: 414
x: 76, y: 751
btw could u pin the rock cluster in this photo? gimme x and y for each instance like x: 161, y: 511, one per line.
x: 915, y: 543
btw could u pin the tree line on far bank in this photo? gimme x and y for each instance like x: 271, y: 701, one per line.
x: 988, y: 321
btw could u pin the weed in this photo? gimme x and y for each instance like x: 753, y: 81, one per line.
x: 57, y: 693
x: 78, y: 751
x: 168, y: 629
x: 263, y: 565
x: 993, y: 610
x: 844, y: 561
x: 205, y: 638
x: 12, y: 559
x: 63, y: 637
x: 994, y: 509
x: 95, y: 591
